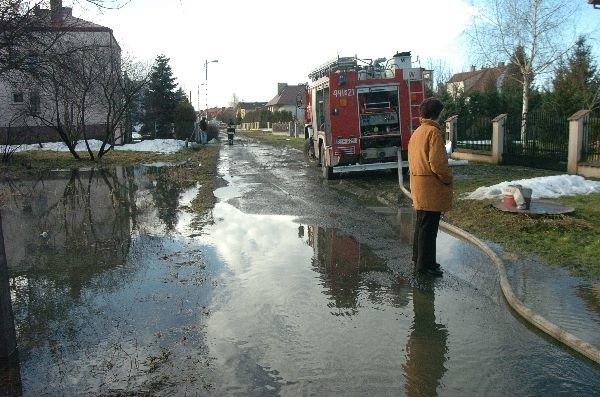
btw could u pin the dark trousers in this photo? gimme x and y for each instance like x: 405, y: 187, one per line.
x: 425, y: 235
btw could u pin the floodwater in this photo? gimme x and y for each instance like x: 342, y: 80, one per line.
x: 115, y: 292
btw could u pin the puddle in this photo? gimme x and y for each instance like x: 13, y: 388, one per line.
x: 569, y: 302
x: 116, y: 293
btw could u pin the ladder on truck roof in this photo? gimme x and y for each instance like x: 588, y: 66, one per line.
x: 339, y: 63
x: 414, y: 106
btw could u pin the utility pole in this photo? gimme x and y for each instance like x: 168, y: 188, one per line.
x: 206, y: 62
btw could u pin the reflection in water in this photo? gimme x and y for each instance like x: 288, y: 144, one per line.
x: 426, y: 347
x: 405, y: 219
x: 253, y: 307
x: 303, y: 310
x: 69, y: 229
x: 166, y: 198
x: 10, y: 378
x: 591, y: 298
x: 341, y: 260
x: 65, y: 233
x: 72, y: 242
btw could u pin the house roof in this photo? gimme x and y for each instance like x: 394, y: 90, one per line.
x: 477, y: 80
x: 47, y: 20
x: 288, y: 96
x: 250, y: 105
x: 64, y: 21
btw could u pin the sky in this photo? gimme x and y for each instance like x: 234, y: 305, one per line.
x: 261, y: 43
x: 542, y: 187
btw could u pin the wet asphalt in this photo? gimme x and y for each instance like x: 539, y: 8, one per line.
x: 293, y: 288
x: 470, y: 280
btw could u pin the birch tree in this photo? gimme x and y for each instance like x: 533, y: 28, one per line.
x: 542, y: 28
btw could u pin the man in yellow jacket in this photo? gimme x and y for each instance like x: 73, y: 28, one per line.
x: 430, y: 185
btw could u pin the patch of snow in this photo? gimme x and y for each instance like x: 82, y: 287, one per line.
x: 154, y: 145
x: 542, y: 187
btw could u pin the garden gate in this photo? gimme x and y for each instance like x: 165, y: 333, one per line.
x: 544, y: 145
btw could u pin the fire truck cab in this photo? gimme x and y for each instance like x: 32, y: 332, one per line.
x: 361, y: 113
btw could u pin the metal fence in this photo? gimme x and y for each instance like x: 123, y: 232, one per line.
x: 474, y: 133
x: 590, y: 150
x: 543, y: 144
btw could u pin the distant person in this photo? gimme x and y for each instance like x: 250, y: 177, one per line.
x: 430, y: 185
x: 203, y: 129
x: 230, y: 131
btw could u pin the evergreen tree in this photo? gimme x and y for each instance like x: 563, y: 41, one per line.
x: 160, y: 99
x: 184, y: 118
x: 576, y: 83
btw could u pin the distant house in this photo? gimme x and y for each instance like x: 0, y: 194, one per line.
x: 476, y: 80
x: 245, y: 107
x: 287, y: 99
x: 72, y: 51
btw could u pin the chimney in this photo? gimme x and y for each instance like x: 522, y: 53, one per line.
x: 500, y: 64
x: 281, y: 87
x: 472, y: 68
x: 56, y: 11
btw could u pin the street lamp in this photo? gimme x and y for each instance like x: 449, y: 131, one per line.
x: 206, y: 62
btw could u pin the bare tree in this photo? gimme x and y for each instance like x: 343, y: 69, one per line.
x: 90, y: 87
x: 441, y: 73
x: 539, y: 27
x: 21, y: 22
x: 119, y: 84
x: 74, y: 75
x: 63, y: 82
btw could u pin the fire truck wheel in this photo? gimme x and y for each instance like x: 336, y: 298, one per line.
x: 327, y: 171
x: 309, y: 150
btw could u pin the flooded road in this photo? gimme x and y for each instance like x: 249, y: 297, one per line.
x: 291, y: 289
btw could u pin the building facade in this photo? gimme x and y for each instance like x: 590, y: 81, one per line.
x: 63, y: 84
x: 465, y: 83
x: 289, y: 98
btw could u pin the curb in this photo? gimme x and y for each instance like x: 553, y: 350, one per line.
x: 556, y: 332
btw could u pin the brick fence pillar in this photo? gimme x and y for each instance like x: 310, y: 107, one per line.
x: 498, y: 125
x: 576, y: 123
x: 451, y: 130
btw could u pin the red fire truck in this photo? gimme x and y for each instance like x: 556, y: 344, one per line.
x: 360, y: 113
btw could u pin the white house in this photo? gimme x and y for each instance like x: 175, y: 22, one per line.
x: 465, y: 83
x: 63, y: 85
x: 287, y: 99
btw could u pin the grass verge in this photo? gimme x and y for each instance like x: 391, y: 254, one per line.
x: 571, y: 241
x: 274, y: 139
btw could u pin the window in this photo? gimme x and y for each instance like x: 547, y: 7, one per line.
x: 34, y: 103
x: 17, y: 97
x: 32, y: 62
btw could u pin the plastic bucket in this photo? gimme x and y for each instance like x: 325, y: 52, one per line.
x: 508, y: 201
x: 527, y: 196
